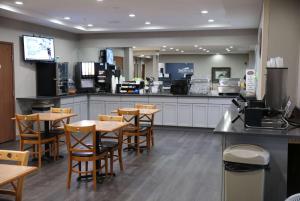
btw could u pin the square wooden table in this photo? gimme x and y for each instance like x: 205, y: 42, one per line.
x: 10, y: 173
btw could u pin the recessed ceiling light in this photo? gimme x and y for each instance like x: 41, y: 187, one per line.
x: 182, y: 51
x: 164, y: 46
x: 177, y: 50
x: 204, y: 11
x: 142, y: 55
x: 171, y: 48
x: 99, y: 0
x: 228, y: 50
x: 204, y: 49
x: 207, y: 51
x: 80, y: 28
x: 19, y: 2
x: 147, y: 22
x: 200, y: 48
x: 67, y: 18
x: 56, y: 21
x: 195, y: 45
x: 211, y: 20
x: 231, y: 47
x: 133, y: 47
x: 131, y: 15
x: 90, y: 25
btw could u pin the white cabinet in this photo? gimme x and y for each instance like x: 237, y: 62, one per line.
x: 158, y: 117
x: 214, y: 114
x: 96, y: 108
x: 83, y: 110
x: 126, y: 104
x: 170, y: 114
x: 111, y: 106
x: 185, y: 117
x: 200, y: 115
x: 76, y: 110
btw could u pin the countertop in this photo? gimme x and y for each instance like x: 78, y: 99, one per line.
x: 41, y: 98
x: 225, y: 127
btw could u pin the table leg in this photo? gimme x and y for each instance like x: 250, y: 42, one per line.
x: 47, y: 146
x: 19, y: 189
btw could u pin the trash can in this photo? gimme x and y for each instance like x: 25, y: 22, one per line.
x: 41, y: 108
x: 244, y: 174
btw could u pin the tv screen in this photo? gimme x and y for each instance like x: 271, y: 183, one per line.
x: 109, y: 56
x: 38, y: 48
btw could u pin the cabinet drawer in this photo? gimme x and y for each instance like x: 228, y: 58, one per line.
x: 66, y: 101
x: 192, y: 100
x: 223, y: 101
x: 80, y: 99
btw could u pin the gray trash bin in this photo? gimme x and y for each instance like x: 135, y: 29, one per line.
x: 244, y: 174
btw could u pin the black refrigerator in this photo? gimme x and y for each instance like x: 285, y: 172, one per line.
x: 52, y: 78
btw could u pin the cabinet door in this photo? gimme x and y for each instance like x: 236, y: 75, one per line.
x: 126, y: 104
x: 76, y: 111
x: 214, y: 115
x: 84, y: 111
x: 111, y: 106
x: 158, y: 117
x: 185, y: 117
x: 96, y: 108
x: 200, y: 115
x: 170, y: 114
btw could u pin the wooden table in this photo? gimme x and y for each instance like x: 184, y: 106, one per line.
x: 10, y: 173
x: 142, y: 111
x: 102, y: 127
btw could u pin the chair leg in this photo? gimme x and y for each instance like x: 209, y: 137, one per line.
x: 129, y: 142
x: 86, y: 167
x: 148, y: 140
x: 152, y: 137
x: 94, y: 175
x: 33, y: 151
x: 138, y: 145
x: 111, y: 162
x: 57, y: 146
x: 79, y: 168
x: 120, y: 158
x: 19, y: 189
x: 69, y: 173
x: 106, y: 165
x: 40, y: 155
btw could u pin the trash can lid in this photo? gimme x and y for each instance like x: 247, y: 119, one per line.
x: 246, y: 153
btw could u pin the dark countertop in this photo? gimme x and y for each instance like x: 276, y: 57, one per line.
x: 41, y: 98
x: 225, y: 127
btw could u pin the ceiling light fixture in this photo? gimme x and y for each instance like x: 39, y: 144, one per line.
x: 195, y: 45
x: 231, y: 47
x: 142, y: 55
x: 56, y: 21
x: 99, y: 0
x: 80, y: 28
x: 133, y: 47
x: 147, y: 22
x: 171, y: 48
x: 164, y: 46
x: 200, y: 48
x: 90, y: 25
x: 204, y: 11
x: 211, y: 20
x: 177, y: 50
x: 182, y: 51
x: 204, y: 49
x: 131, y: 15
x: 207, y: 51
x: 19, y: 2
x: 67, y: 18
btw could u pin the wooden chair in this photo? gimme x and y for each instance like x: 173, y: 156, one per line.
x: 30, y: 133
x: 57, y: 127
x: 80, y: 150
x: 21, y: 157
x: 115, y: 143
x: 147, y: 120
x: 132, y: 116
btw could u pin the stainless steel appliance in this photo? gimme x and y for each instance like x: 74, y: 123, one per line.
x: 229, y: 86
x: 276, y: 91
x: 52, y: 78
x: 200, y: 86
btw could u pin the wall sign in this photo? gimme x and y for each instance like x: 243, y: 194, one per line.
x: 179, y: 70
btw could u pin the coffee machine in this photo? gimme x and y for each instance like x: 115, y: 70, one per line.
x: 85, y: 77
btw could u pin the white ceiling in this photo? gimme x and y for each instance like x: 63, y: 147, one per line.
x: 112, y: 15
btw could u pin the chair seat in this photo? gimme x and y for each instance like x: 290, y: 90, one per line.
x: 57, y: 131
x: 145, y: 125
x: 44, y: 136
x: 109, y: 144
x: 88, y: 154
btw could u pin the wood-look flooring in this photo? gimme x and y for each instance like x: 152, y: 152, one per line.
x: 184, y: 165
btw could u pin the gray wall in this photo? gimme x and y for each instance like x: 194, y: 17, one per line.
x: 204, y: 63
x: 284, y: 38
x: 66, y: 47
x: 11, y: 31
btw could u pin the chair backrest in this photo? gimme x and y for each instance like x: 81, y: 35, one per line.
x: 146, y: 118
x: 145, y: 106
x: 29, y: 126
x: 78, y: 138
x: 130, y: 115
x: 66, y: 110
x: 110, y: 118
x: 21, y: 157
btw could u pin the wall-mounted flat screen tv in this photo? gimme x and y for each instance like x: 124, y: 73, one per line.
x: 110, y: 56
x: 38, y: 48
